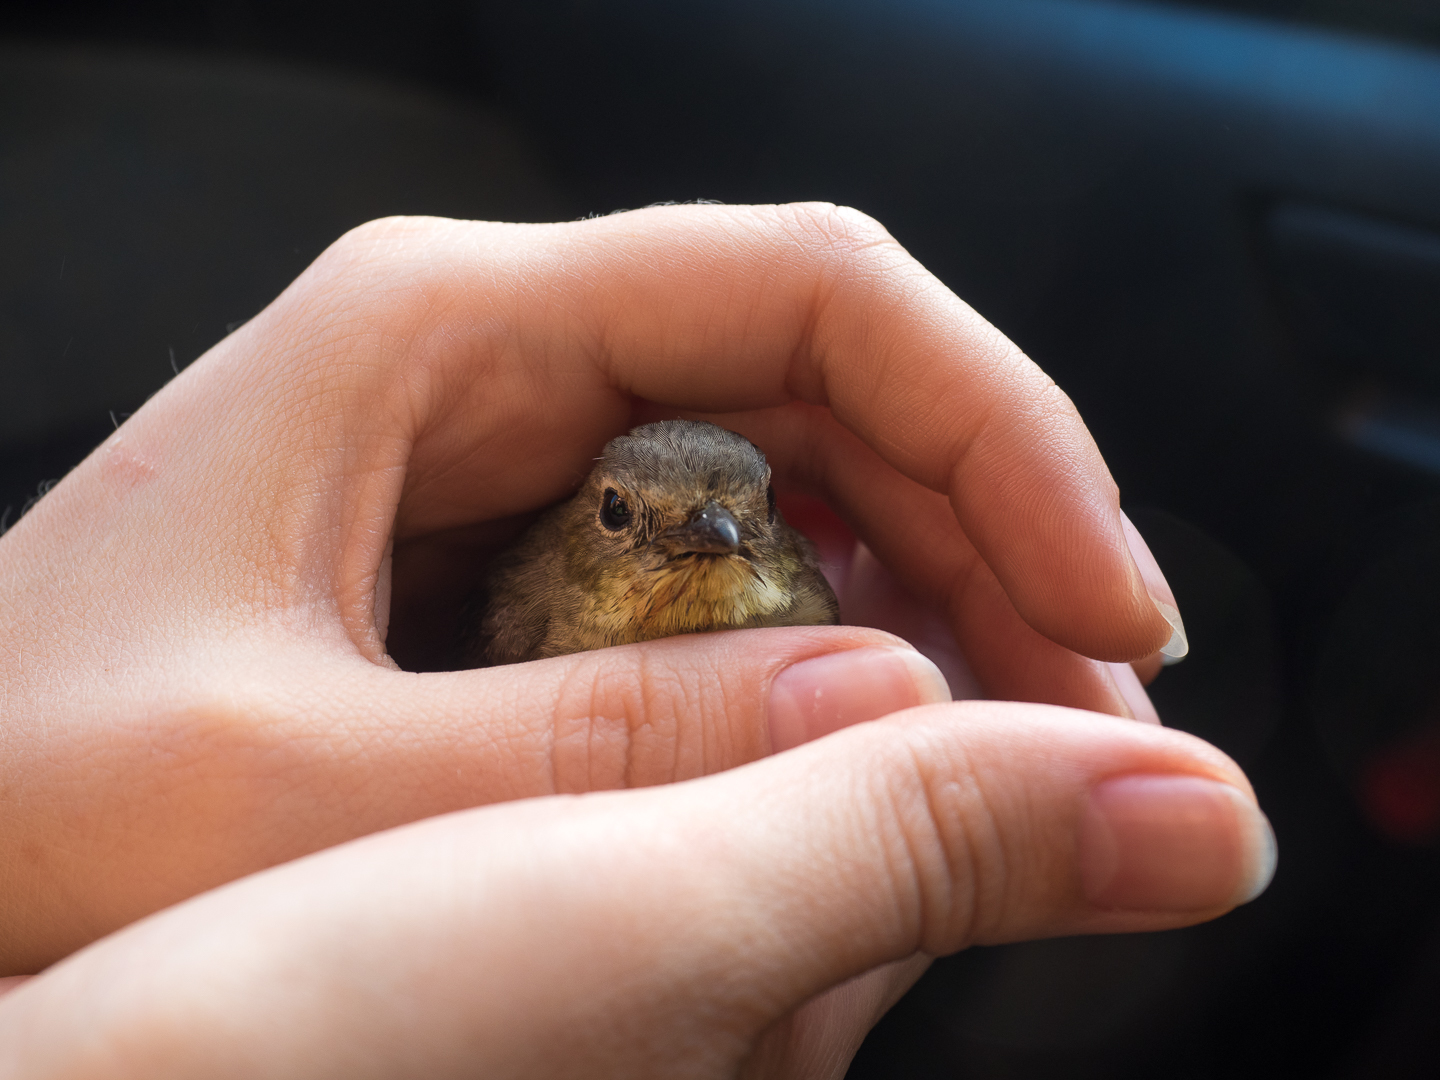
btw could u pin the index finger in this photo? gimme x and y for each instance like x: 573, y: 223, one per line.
x: 718, y: 307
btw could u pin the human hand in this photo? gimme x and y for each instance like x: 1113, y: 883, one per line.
x: 677, y: 931
x: 193, y: 663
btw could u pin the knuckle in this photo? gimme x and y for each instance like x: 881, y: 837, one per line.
x: 650, y: 714
x: 355, y: 247
x: 381, y: 234
x: 382, y: 282
x: 1048, y: 395
x: 842, y: 230
x: 942, y: 841
x: 375, y: 258
x: 590, y: 731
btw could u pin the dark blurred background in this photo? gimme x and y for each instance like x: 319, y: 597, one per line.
x: 1216, y: 225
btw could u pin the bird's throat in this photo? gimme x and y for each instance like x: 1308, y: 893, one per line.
x: 688, y: 595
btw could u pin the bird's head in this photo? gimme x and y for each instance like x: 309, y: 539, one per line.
x: 676, y: 529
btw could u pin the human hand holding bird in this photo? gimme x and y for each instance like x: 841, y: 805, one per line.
x: 198, y: 682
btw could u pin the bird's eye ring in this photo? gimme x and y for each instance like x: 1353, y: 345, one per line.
x: 614, y: 511
x: 770, y: 504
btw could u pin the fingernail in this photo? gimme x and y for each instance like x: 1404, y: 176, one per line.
x: 1173, y: 843
x: 826, y: 693
x: 1131, y: 689
x: 1174, y: 650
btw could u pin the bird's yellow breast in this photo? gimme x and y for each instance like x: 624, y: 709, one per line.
x: 702, y: 593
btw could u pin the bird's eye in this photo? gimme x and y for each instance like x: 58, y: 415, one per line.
x: 770, y: 504
x: 614, y: 511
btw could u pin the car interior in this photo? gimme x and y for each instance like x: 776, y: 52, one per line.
x: 1215, y: 223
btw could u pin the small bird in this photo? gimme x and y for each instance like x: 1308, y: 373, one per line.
x: 675, y: 531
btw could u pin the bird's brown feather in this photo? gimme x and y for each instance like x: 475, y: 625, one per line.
x: 572, y: 583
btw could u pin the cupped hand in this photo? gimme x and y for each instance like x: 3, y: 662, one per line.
x: 193, y: 663
x: 671, y: 932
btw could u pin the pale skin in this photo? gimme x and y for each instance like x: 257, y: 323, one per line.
x: 197, y: 693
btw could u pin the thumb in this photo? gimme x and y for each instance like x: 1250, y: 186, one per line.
x: 632, y: 716
x: 274, y: 755
x: 663, y: 932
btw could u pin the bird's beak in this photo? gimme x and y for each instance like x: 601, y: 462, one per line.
x: 713, y: 531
